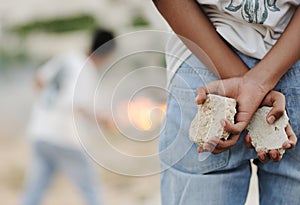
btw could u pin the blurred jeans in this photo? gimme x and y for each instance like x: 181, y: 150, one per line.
x: 49, y: 158
x: 190, y: 178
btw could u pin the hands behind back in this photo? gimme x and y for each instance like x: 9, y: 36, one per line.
x: 250, y: 95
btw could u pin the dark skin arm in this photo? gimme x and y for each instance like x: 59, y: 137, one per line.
x: 188, y: 21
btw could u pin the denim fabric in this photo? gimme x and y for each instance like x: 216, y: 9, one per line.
x: 49, y: 158
x: 189, y: 178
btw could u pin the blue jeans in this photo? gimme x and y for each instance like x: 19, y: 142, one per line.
x: 189, y: 178
x: 48, y: 158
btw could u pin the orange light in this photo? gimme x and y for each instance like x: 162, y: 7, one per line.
x: 141, y: 113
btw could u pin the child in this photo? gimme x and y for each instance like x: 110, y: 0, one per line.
x: 67, y: 84
x: 254, y: 51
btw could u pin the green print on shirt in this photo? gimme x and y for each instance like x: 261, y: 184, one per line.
x: 253, y: 11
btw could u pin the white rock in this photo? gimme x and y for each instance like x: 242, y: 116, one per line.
x: 207, y: 122
x: 264, y: 136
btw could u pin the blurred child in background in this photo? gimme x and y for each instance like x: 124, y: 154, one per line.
x: 51, y: 128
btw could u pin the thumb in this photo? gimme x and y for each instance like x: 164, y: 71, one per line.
x: 234, y: 128
x: 276, y: 100
x: 215, y: 87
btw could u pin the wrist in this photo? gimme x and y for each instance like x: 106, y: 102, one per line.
x: 265, y: 78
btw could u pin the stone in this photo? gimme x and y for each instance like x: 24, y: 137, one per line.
x: 266, y: 137
x: 207, y: 122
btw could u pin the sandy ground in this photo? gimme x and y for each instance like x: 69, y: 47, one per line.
x: 117, y: 189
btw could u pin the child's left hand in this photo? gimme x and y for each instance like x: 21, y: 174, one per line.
x: 277, y: 100
x: 274, y: 155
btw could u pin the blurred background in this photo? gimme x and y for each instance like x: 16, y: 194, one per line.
x: 33, y: 31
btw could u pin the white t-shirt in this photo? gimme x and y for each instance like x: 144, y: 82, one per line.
x: 52, y: 115
x: 252, y: 27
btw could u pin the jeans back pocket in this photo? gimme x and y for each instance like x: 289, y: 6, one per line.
x: 175, y: 147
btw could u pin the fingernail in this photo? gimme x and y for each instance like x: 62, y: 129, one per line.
x: 274, y: 155
x: 200, y: 149
x: 271, y: 119
x: 263, y: 157
x: 288, y: 146
x: 223, y: 123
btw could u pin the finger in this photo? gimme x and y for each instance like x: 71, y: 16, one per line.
x: 274, y: 114
x: 233, y: 128
x: 263, y: 157
x: 201, y: 95
x: 216, y: 145
x: 225, y: 144
x: 209, y: 146
x: 218, y: 151
x: 248, y: 141
x: 276, y: 100
x: 275, y: 155
x: 292, y: 138
x: 214, y: 87
x: 212, y: 145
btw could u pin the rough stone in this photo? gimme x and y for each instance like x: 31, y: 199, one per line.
x: 266, y: 137
x: 207, y: 122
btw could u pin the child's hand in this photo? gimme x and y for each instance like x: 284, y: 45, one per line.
x: 274, y: 155
x: 277, y: 100
x: 249, y: 95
